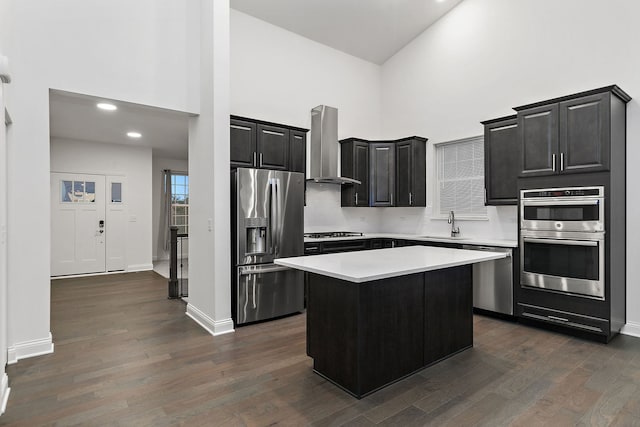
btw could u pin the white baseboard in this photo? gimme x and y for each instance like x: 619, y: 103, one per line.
x: 26, y: 349
x: 4, y: 392
x: 214, y: 327
x: 632, y: 329
x: 139, y: 267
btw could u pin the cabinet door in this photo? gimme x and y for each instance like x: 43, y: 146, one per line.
x: 361, y: 173
x: 584, y: 134
x: 298, y: 147
x: 501, y: 162
x: 243, y: 144
x: 273, y: 147
x: 538, y: 135
x: 411, y: 174
x: 382, y: 168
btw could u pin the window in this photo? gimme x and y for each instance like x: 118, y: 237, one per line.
x: 77, y: 191
x: 460, y: 178
x: 116, y: 192
x: 180, y: 202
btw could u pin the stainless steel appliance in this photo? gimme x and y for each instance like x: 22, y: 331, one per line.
x: 267, y: 206
x: 562, y: 244
x: 323, y: 158
x: 493, y: 281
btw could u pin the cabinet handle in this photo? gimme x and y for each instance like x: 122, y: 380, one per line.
x: 356, y: 199
x: 410, y: 198
x: 255, y: 163
x: 261, y: 160
x: 561, y: 162
x: 553, y: 162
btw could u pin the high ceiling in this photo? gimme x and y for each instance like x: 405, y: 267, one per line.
x: 373, y: 30
x: 75, y: 116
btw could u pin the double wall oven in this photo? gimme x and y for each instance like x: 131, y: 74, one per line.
x: 562, y: 244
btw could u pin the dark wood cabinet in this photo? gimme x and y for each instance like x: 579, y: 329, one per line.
x: 354, y: 163
x: 273, y: 147
x: 538, y: 135
x: 411, y: 172
x: 392, y: 173
x: 382, y: 180
x: 298, y: 151
x: 584, y: 133
x: 501, y: 161
x: 571, y: 134
x: 243, y: 143
x: 266, y: 145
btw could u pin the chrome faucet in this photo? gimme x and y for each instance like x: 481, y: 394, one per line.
x: 455, y: 231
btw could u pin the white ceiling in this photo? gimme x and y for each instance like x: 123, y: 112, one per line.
x: 373, y: 30
x: 75, y: 116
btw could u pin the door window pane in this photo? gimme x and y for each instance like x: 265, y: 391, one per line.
x: 78, y: 191
x: 90, y: 191
x: 65, y: 191
x: 116, y: 192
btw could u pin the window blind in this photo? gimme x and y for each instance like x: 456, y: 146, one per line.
x: 460, y: 172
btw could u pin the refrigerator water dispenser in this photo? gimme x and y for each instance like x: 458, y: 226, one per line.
x: 256, y: 235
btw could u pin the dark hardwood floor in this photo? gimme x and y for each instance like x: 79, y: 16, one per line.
x: 125, y: 355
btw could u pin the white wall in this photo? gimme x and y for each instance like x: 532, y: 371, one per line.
x: 160, y: 164
x: 135, y: 164
x: 487, y: 56
x: 209, y: 178
x: 141, y: 51
x: 279, y: 76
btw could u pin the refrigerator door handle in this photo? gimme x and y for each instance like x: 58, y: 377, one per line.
x: 271, y: 222
x: 271, y: 268
x: 279, y: 210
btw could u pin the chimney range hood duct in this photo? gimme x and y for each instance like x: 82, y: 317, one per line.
x: 325, y: 146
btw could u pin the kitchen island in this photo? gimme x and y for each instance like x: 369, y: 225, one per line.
x: 374, y: 317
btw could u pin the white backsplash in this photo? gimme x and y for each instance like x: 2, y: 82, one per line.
x: 323, y: 213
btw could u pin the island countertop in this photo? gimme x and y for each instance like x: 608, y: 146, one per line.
x: 365, y: 266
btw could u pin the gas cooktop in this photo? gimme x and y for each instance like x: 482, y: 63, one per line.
x: 323, y: 234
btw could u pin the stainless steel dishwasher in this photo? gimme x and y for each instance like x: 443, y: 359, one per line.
x: 493, y: 281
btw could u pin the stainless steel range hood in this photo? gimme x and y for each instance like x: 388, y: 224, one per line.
x: 324, y: 147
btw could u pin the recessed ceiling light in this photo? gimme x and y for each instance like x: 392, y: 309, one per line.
x: 106, y: 106
x: 134, y: 135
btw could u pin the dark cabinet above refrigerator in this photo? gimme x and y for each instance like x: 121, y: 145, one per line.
x: 265, y: 145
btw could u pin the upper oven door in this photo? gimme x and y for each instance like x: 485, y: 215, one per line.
x: 562, y: 215
x: 566, y: 262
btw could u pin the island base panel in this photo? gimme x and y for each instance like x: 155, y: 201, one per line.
x: 364, y: 336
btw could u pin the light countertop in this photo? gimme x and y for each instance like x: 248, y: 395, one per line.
x: 364, y: 266
x: 463, y: 240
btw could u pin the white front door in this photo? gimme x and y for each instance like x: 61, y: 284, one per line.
x: 77, y: 224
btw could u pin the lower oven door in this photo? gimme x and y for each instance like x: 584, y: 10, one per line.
x: 571, y: 263
x: 267, y: 291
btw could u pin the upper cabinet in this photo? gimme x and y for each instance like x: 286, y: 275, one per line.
x: 354, y: 163
x: 411, y: 171
x: 392, y: 173
x: 501, y: 161
x: 382, y: 163
x: 259, y: 144
x: 571, y: 134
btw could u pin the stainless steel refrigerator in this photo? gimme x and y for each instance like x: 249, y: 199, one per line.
x: 267, y: 212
